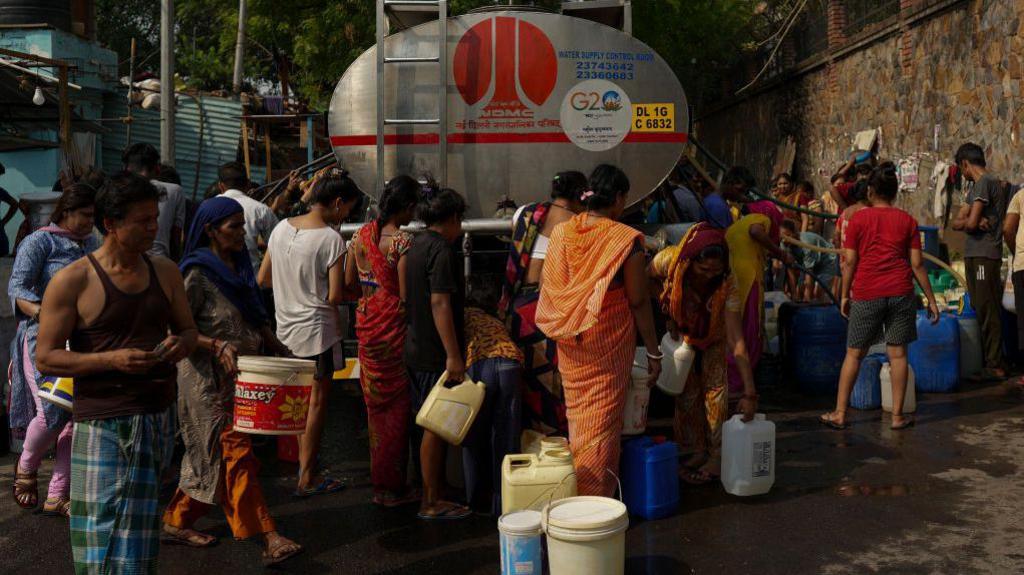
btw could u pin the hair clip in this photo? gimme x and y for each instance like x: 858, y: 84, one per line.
x: 587, y: 195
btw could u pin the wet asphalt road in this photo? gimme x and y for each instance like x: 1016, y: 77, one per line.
x: 943, y: 497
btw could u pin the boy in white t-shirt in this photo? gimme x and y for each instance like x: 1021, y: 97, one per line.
x: 304, y: 266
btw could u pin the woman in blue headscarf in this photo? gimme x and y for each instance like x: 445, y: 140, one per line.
x: 219, y: 466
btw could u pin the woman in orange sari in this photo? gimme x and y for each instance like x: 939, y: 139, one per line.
x: 593, y: 300
x: 705, y: 309
x: 375, y: 260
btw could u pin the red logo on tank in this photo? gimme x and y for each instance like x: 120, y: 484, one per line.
x: 509, y: 59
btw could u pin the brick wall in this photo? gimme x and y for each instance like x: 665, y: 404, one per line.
x: 954, y: 77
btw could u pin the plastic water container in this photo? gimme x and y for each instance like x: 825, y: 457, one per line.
x: 638, y: 398
x: 521, y: 545
x: 449, y: 412
x: 530, y: 482
x: 650, y: 480
x: 272, y: 395
x: 586, y: 535
x: 867, y: 390
x: 909, y: 398
x: 930, y: 244
x: 972, y: 358
x: 535, y: 442
x: 815, y: 346
x: 675, y: 368
x: 773, y: 301
x: 59, y: 391
x: 935, y: 356
x: 748, y: 455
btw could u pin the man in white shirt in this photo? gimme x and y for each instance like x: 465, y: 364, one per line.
x: 143, y: 159
x: 259, y: 218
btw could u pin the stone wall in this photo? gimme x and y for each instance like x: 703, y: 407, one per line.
x: 952, y: 77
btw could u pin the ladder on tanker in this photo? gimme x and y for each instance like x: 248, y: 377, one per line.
x: 403, y: 14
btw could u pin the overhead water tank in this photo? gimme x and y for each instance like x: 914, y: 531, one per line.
x: 529, y: 94
x: 56, y: 13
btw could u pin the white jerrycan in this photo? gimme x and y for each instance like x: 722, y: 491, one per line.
x: 909, y: 398
x: 748, y: 455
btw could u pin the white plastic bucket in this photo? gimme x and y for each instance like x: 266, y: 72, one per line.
x: 272, y: 395
x: 59, y: 391
x: 521, y: 549
x: 638, y: 397
x: 586, y: 534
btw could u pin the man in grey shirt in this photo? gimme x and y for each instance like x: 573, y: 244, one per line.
x: 981, y: 218
x: 144, y: 160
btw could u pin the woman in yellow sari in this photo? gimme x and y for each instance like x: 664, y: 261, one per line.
x: 751, y: 240
x: 593, y: 300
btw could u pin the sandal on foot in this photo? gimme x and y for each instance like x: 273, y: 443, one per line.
x: 25, y: 489
x: 697, y: 477
x: 390, y: 500
x: 57, y: 507
x: 446, y: 510
x: 907, y: 423
x: 284, y: 550
x: 186, y: 537
x: 328, y: 485
x: 827, y: 421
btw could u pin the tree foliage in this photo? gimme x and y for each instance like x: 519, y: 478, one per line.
x: 318, y: 39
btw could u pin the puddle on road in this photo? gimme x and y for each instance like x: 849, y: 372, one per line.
x: 865, y: 490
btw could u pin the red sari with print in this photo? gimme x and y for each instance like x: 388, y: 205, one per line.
x: 380, y: 327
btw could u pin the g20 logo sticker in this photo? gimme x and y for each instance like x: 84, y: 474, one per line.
x: 596, y: 115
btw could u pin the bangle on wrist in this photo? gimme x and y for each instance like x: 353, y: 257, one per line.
x: 657, y: 357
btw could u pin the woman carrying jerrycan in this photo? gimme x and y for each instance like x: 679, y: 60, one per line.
x: 705, y: 310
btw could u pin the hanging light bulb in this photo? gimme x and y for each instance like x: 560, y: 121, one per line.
x: 38, y: 99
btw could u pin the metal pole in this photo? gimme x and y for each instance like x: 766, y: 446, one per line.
x: 131, y: 91
x: 381, y: 23
x: 310, y: 140
x: 442, y: 94
x: 167, y: 82
x: 243, y: 15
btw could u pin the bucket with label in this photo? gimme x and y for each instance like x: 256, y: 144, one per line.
x: 450, y: 411
x: 59, y: 391
x: 272, y: 395
x: 586, y: 534
x: 521, y: 543
x: 638, y: 398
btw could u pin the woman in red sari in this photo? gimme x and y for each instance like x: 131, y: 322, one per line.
x: 376, y: 260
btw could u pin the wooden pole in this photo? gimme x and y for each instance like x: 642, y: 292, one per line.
x: 245, y: 146
x: 266, y: 141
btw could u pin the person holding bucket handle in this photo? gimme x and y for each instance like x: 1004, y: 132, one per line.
x: 128, y: 322
x: 434, y: 339
x: 41, y: 255
x: 219, y: 465
x: 305, y: 266
x: 705, y: 310
x: 376, y: 260
x: 594, y: 298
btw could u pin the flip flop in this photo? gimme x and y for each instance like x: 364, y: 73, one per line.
x: 60, y: 507
x: 328, y: 485
x: 449, y: 512
x: 392, y: 501
x: 270, y: 559
x: 698, y: 477
x: 180, y: 538
x: 908, y: 422
x: 828, y: 422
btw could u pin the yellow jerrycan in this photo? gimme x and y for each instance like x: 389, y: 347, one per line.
x: 531, y: 482
x: 450, y: 411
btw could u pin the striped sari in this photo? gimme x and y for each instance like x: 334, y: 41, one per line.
x: 581, y: 307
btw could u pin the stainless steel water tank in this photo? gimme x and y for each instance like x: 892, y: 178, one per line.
x: 529, y: 94
x: 56, y: 13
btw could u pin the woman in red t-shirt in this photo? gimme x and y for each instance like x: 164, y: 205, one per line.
x: 883, y: 257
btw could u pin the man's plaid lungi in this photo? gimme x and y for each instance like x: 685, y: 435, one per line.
x: 116, y: 466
